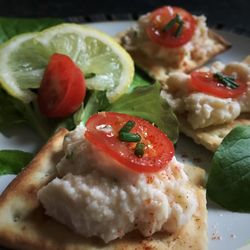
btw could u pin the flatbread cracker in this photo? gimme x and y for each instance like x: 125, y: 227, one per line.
x: 24, y: 225
x: 212, y: 136
x: 158, y: 69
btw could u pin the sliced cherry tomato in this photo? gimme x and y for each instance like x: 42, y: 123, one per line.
x: 206, y: 82
x: 103, y: 132
x: 62, y: 89
x: 161, y: 17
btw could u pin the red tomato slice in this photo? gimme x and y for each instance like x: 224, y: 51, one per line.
x: 161, y: 17
x: 63, y: 87
x: 159, y: 150
x: 206, y: 83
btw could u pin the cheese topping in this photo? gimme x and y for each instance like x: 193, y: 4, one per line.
x: 204, y: 110
x: 95, y: 197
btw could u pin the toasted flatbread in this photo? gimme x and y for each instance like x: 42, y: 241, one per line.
x: 158, y: 69
x: 212, y: 136
x: 24, y: 225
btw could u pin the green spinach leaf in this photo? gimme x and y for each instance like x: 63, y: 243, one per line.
x: 13, y: 161
x: 229, y: 178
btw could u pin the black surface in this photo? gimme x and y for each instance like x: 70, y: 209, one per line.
x: 231, y: 13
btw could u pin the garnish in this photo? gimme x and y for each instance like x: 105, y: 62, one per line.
x: 89, y: 75
x: 63, y: 87
x: 124, y: 134
x: 216, y: 84
x: 129, y: 137
x: 176, y: 20
x: 127, y: 127
x: 139, y: 149
x: 137, y: 156
x: 228, y: 81
x: 171, y: 27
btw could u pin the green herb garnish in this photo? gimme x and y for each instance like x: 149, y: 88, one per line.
x: 227, y: 81
x: 126, y: 136
x: 176, y: 20
x: 89, y: 75
x: 127, y: 127
x: 129, y: 137
x: 139, y: 149
x: 179, y: 29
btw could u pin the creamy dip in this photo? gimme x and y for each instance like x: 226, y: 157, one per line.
x: 95, y: 196
x: 202, y: 109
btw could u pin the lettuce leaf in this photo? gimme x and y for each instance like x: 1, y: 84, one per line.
x: 146, y: 102
x: 142, y: 100
x: 97, y: 101
x: 229, y: 178
x: 141, y: 79
x: 14, y: 112
x: 13, y: 161
x: 10, y: 27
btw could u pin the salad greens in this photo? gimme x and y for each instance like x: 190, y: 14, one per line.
x: 142, y: 99
x: 13, y: 112
x: 146, y: 103
x: 13, y: 161
x: 229, y: 179
x: 10, y: 27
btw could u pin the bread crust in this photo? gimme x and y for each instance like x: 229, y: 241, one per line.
x: 212, y: 136
x: 24, y: 225
x: 158, y: 69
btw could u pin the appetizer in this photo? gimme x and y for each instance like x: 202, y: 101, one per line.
x: 170, y: 39
x: 116, y: 179
x: 211, y: 101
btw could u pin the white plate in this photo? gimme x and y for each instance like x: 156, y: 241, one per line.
x: 226, y: 230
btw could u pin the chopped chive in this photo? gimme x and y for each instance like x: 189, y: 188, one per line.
x: 89, y: 75
x: 171, y: 23
x: 127, y: 127
x: 139, y: 149
x: 228, y: 81
x: 179, y: 29
x: 176, y: 20
x: 129, y: 137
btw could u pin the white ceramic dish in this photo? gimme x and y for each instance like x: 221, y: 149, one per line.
x: 226, y: 230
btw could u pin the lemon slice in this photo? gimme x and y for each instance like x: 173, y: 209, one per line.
x: 105, y: 64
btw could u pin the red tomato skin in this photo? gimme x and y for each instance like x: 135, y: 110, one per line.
x: 153, y: 160
x: 160, y: 17
x: 63, y: 87
x: 205, y: 82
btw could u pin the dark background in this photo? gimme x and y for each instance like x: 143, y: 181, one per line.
x: 220, y: 13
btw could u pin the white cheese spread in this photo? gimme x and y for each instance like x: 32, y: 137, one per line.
x: 95, y: 199
x: 190, y: 53
x: 202, y: 109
